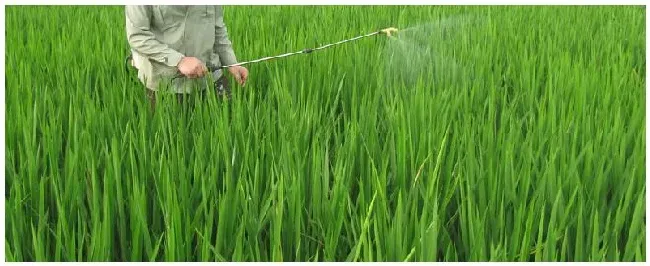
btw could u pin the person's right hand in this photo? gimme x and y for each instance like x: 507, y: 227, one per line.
x: 192, y: 67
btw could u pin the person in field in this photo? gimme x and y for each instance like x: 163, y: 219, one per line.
x: 166, y: 41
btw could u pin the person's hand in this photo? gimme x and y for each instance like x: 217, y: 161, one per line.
x: 192, y: 67
x: 240, y: 73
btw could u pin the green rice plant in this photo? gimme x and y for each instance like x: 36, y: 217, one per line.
x: 482, y: 133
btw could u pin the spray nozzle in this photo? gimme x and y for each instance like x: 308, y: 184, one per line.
x: 389, y: 31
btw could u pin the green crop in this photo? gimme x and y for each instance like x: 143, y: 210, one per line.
x: 476, y: 134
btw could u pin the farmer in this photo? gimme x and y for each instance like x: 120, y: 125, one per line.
x: 168, y: 41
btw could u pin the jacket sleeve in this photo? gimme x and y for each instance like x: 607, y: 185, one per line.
x: 222, y: 45
x: 143, y: 41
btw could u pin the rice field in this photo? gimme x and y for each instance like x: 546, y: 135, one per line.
x: 482, y: 133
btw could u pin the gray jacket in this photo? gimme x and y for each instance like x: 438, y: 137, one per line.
x: 160, y: 36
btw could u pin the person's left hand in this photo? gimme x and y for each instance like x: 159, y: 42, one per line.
x: 240, y: 73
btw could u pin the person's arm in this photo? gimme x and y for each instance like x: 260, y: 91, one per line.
x: 142, y: 40
x: 222, y: 45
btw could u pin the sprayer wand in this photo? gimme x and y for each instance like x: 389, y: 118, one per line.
x: 387, y: 31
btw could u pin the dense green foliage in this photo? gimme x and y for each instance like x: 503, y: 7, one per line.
x: 480, y: 133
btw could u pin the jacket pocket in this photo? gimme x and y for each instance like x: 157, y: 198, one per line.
x: 170, y: 17
x: 209, y: 12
